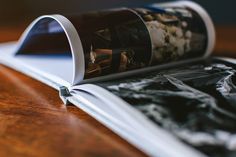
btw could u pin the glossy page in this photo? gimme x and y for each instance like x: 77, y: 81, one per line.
x: 195, y: 103
x: 107, y: 43
x: 125, y: 39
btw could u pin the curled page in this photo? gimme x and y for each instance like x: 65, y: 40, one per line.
x: 54, y: 35
x: 122, y: 40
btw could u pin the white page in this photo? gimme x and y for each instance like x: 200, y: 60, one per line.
x: 49, y: 71
x: 56, y: 69
x: 60, y: 66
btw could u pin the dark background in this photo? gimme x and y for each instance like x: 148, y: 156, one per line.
x: 13, y: 12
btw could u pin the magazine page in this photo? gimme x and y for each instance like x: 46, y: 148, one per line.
x: 113, y: 43
x: 126, y: 39
x: 127, y: 122
x: 51, y: 46
x: 37, y: 67
x: 195, y: 103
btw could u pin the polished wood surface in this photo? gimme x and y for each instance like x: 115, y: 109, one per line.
x: 34, y: 122
x: 225, y: 41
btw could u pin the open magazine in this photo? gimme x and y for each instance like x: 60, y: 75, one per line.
x: 146, y: 73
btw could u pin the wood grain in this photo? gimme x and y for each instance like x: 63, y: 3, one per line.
x: 225, y: 41
x: 34, y: 122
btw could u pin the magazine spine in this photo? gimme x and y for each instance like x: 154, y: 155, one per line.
x: 64, y: 93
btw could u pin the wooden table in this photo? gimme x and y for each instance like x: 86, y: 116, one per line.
x: 34, y: 122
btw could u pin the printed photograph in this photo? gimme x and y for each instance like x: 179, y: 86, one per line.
x: 126, y: 39
x: 176, y: 33
x: 195, y: 103
x: 113, y: 41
